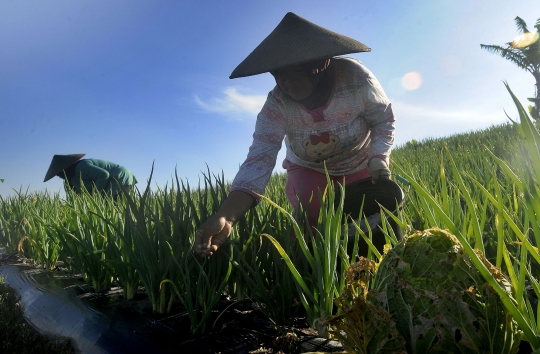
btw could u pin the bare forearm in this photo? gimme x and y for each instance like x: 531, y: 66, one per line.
x: 236, y: 206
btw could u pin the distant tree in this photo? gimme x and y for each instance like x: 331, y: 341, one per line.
x: 524, y: 51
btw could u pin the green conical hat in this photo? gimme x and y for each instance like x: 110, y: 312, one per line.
x: 295, y: 41
x: 60, y: 163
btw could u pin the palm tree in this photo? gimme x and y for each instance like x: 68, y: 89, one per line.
x: 524, y: 51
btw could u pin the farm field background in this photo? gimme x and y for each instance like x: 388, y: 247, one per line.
x: 481, y: 186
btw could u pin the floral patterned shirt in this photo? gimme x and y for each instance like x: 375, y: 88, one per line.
x: 356, y: 125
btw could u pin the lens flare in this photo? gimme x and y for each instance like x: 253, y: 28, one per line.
x: 411, y: 81
x: 524, y: 40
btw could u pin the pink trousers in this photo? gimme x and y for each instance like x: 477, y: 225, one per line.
x: 303, y: 183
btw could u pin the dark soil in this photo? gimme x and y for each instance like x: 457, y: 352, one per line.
x: 236, y: 328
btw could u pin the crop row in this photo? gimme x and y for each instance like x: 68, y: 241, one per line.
x: 483, y: 187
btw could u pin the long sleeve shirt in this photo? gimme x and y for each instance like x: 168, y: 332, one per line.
x: 102, y: 175
x: 355, y: 125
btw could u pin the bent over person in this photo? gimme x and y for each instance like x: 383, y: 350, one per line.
x: 91, y: 173
x: 330, y: 110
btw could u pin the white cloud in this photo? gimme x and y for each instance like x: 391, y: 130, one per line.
x: 420, y: 122
x: 233, y: 104
x: 435, y: 114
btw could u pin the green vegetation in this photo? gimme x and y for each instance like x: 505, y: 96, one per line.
x: 436, y: 294
x: 16, y: 336
x: 426, y: 297
x: 524, y: 51
x: 482, y: 187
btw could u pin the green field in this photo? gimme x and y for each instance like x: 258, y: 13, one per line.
x: 483, y: 187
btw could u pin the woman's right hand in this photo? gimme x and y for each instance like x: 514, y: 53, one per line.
x: 211, y: 235
x: 216, y: 230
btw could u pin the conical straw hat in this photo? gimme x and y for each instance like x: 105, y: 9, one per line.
x: 60, y: 163
x: 295, y: 41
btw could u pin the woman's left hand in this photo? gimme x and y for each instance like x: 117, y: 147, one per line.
x: 378, y: 169
x: 377, y: 174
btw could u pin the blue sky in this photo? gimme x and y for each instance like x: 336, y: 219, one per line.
x: 141, y: 82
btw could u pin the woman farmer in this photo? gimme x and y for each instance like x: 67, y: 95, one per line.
x: 106, y: 177
x: 328, y: 109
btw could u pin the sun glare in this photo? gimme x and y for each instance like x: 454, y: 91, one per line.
x: 411, y: 81
x: 524, y: 40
